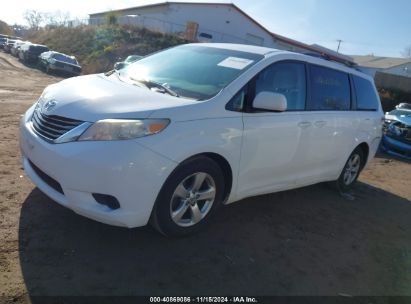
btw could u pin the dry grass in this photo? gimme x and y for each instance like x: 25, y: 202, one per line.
x: 98, y: 47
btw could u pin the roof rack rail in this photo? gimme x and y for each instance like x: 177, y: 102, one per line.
x: 328, y: 57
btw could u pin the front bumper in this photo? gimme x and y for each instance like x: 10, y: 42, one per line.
x: 396, y: 147
x: 124, y: 169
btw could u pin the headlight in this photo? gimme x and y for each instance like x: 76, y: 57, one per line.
x: 122, y: 129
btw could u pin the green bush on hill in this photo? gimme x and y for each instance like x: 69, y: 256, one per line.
x: 97, y: 48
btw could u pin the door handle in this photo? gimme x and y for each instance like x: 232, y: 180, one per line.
x: 320, y: 123
x: 304, y: 124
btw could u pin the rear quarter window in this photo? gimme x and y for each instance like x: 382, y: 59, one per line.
x: 367, y: 99
x: 330, y: 89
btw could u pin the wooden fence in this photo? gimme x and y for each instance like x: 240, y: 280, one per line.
x: 392, y: 82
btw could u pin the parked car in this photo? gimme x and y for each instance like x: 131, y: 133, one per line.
x: 8, y: 45
x: 58, y: 62
x: 130, y: 59
x: 397, y: 131
x: 3, y: 41
x: 404, y: 105
x: 29, y: 52
x: 15, y: 49
x: 177, y: 134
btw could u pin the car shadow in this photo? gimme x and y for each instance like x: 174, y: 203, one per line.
x: 309, y: 241
x: 384, y: 155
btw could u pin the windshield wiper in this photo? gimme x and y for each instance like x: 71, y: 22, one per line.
x: 150, y: 83
x: 110, y: 72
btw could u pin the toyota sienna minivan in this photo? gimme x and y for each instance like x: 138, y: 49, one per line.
x: 175, y: 135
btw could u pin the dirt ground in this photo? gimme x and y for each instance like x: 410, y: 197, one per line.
x: 309, y: 241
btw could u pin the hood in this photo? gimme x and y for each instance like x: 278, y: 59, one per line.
x: 94, y: 97
x: 405, y: 119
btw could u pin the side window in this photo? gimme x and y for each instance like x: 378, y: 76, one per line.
x: 367, y: 99
x: 287, y: 78
x: 237, y: 103
x: 330, y: 89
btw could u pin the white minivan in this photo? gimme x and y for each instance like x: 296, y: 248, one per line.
x: 172, y: 137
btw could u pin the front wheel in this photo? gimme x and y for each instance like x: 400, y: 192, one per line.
x: 189, y: 197
x: 351, y: 171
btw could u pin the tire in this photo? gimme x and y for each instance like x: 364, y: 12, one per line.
x: 179, y: 209
x: 351, y: 170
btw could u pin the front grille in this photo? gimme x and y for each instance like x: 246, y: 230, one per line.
x: 46, y: 178
x: 52, y: 126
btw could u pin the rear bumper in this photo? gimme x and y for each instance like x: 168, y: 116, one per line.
x: 63, y: 70
x: 124, y: 169
x: 396, y: 147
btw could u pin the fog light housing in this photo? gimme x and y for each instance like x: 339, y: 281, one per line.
x: 107, y: 200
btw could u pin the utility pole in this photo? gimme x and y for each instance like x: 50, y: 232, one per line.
x: 339, y: 44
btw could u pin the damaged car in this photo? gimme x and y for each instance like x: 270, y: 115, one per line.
x: 397, y: 132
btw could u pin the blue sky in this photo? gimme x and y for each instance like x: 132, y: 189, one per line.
x: 379, y: 27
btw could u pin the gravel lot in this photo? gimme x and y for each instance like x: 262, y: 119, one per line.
x: 309, y: 241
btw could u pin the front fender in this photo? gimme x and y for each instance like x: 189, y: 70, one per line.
x: 182, y: 140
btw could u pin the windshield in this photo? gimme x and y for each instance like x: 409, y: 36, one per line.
x: 38, y: 49
x: 195, y: 72
x: 64, y: 58
x: 401, y: 113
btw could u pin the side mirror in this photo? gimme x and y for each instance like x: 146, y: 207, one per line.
x: 270, y: 101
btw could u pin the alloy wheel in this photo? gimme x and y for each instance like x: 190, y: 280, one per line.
x: 352, y: 169
x: 192, y: 199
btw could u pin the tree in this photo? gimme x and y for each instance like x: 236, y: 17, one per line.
x: 19, y: 30
x: 407, y: 52
x: 34, y: 19
x: 5, y: 28
x: 56, y: 19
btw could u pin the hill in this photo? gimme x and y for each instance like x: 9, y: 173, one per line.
x: 5, y: 28
x: 97, y: 48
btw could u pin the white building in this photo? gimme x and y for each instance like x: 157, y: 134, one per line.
x: 208, y: 22
x: 387, y: 65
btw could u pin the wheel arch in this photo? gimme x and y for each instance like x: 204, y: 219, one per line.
x: 225, y: 166
x: 366, y: 150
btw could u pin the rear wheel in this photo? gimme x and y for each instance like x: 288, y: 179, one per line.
x: 189, y: 197
x: 351, y: 171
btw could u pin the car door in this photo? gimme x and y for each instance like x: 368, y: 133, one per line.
x: 271, y: 148
x: 329, y: 124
